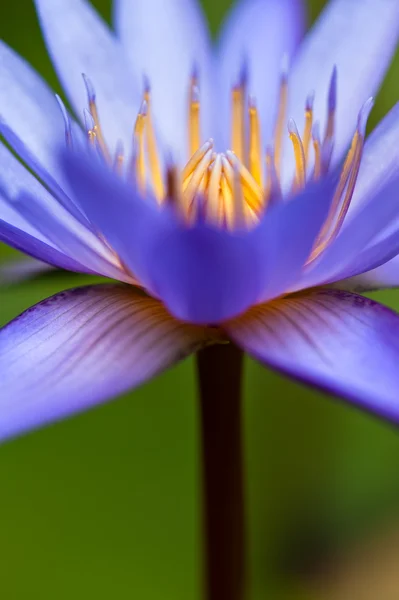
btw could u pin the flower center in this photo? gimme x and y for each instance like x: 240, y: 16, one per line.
x: 233, y: 189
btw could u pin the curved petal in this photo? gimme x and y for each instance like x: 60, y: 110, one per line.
x: 345, y: 344
x: 28, y: 206
x: 30, y: 109
x: 261, y: 33
x: 30, y: 244
x: 203, y: 274
x: 370, y: 235
x: 128, y: 222
x: 79, y: 43
x: 206, y: 275
x: 164, y: 42
x: 384, y: 276
x: 82, y: 347
x: 380, y: 160
x: 359, y: 38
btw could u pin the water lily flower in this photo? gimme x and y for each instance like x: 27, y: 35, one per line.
x: 229, y: 191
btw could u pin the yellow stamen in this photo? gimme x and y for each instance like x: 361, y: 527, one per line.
x: 228, y: 201
x: 238, y: 121
x: 153, y: 156
x: 347, y: 180
x: 307, y: 132
x: 194, y: 117
x: 252, y: 191
x: 195, y: 161
x: 193, y: 184
x: 300, y: 161
x: 255, y: 156
x: 139, y: 147
x: 280, y: 121
x: 214, y: 187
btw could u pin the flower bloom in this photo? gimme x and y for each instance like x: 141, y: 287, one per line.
x: 179, y: 178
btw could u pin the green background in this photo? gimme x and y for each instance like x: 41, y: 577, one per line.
x: 106, y: 505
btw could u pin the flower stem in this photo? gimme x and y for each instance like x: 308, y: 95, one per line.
x: 220, y: 379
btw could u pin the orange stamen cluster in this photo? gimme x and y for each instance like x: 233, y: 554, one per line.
x: 233, y: 189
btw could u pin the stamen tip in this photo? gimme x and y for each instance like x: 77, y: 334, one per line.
x: 146, y: 84
x: 364, y: 115
x: 310, y: 101
x: 292, y: 128
x: 89, y: 88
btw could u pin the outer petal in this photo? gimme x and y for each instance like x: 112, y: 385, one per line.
x: 30, y: 109
x: 384, y: 276
x: 261, y: 33
x: 80, y: 42
x: 359, y: 38
x: 164, y: 41
x: 203, y: 274
x: 345, y: 344
x: 380, y: 160
x: 31, y: 245
x: 25, y: 204
x: 207, y: 275
x: 82, y: 347
x: 369, y: 239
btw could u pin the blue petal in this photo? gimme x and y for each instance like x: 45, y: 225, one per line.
x: 260, y: 32
x: 359, y: 38
x: 164, y: 42
x: 203, y: 274
x: 206, y: 275
x: 80, y: 42
x: 379, y: 160
x: 128, y: 222
x: 33, y: 246
x: 382, y: 277
x: 362, y: 242
x: 82, y: 347
x: 26, y: 205
x: 340, y: 342
x: 30, y: 109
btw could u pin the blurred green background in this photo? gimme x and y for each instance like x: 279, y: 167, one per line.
x: 106, y: 505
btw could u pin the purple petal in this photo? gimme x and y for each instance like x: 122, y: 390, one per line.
x: 80, y: 42
x: 382, y: 277
x: 86, y: 249
x: 30, y: 160
x: 20, y: 270
x: 33, y: 246
x: 379, y: 161
x: 359, y: 39
x: 206, y: 275
x: 340, y: 342
x: 260, y: 32
x: 203, y: 274
x: 82, y: 347
x: 30, y: 109
x: 128, y: 222
x: 164, y: 42
x: 363, y: 241
x: 28, y: 206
